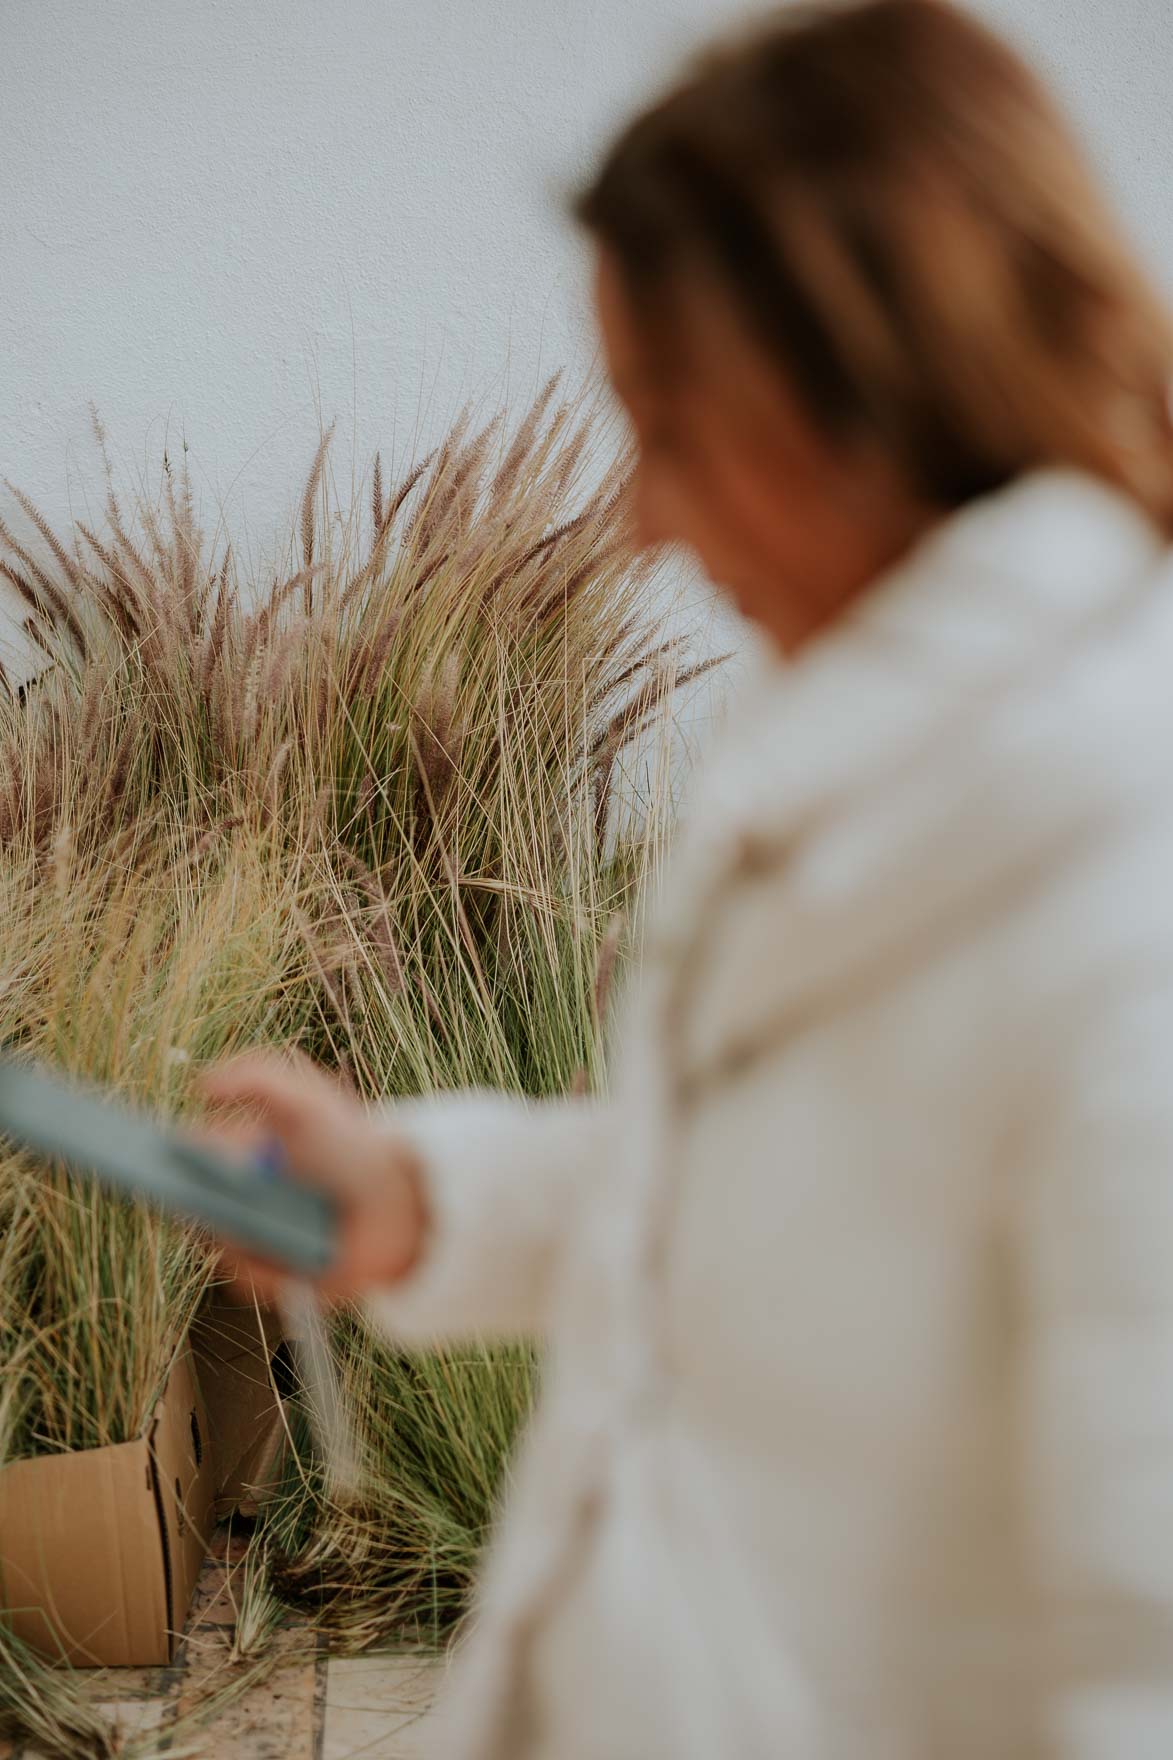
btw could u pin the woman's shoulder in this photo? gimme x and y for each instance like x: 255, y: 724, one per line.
x: 996, y: 713
x: 1055, y: 584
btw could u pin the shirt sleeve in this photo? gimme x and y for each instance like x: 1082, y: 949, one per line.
x: 503, y: 1181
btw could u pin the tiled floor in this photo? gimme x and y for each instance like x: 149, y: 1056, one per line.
x: 308, y: 1707
x: 377, y: 1707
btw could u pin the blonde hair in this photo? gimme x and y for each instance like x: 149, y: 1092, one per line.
x: 904, y: 220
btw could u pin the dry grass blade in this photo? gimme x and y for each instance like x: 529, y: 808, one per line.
x: 308, y: 500
x: 605, y: 967
x: 505, y: 480
x: 48, y: 1710
x: 377, y: 496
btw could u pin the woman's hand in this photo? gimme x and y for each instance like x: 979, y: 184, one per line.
x: 332, y: 1143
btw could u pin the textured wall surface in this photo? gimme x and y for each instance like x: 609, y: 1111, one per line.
x: 222, y: 218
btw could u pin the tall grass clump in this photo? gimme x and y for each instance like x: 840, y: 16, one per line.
x: 366, y: 807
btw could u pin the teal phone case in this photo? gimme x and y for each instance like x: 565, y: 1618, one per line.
x: 247, y: 1202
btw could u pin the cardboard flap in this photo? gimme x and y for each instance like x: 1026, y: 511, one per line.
x: 100, y: 1550
x: 81, y: 1555
x: 183, y: 1485
x: 235, y: 1347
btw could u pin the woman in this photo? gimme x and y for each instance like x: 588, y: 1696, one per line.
x: 857, y: 1432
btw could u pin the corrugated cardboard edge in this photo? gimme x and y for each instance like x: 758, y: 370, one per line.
x: 237, y: 1348
x: 100, y: 1550
x: 184, y: 1486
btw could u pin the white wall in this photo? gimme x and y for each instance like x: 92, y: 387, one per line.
x: 219, y: 216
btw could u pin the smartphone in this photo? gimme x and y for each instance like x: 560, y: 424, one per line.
x: 248, y: 1202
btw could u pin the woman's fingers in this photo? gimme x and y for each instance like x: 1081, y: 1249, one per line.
x: 325, y: 1132
x: 331, y: 1142
x: 281, y: 1088
x: 288, y: 1071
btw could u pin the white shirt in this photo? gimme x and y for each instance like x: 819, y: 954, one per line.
x: 856, y: 1434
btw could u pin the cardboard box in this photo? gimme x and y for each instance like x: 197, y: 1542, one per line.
x: 244, y: 1371
x: 100, y: 1550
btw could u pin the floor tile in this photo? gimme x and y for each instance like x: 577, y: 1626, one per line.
x: 134, y: 1717
x: 274, y: 1719
x: 376, y: 1707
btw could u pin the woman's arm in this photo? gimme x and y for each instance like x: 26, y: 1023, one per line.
x: 501, y: 1181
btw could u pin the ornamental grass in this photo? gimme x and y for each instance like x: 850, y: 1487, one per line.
x: 399, y: 804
